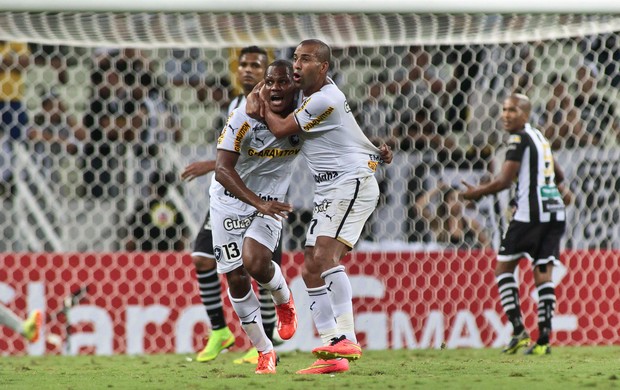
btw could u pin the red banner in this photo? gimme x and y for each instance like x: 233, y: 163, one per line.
x: 148, y: 302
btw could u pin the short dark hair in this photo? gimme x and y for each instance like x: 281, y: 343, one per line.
x: 281, y: 63
x: 253, y: 49
x: 324, y: 52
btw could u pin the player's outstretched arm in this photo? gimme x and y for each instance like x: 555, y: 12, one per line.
x: 499, y: 183
x: 197, y: 169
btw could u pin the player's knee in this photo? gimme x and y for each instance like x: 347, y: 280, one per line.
x: 239, y: 282
x: 203, y: 264
x: 311, y: 269
x: 259, y: 267
x: 311, y: 278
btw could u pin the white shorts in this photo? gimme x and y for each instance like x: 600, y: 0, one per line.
x: 343, y: 212
x: 230, y: 229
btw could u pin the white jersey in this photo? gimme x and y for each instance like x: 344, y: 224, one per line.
x: 265, y: 163
x: 335, y: 147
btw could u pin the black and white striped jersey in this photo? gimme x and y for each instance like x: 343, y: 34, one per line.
x: 537, y: 197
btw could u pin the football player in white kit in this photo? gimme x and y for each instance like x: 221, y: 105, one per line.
x: 343, y: 162
x: 252, y: 175
x: 251, y: 66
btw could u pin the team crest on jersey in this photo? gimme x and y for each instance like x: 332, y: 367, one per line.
x: 217, y: 252
x: 293, y: 140
x: 514, y: 139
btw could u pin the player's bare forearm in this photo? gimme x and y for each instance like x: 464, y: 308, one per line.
x: 497, y: 184
x: 476, y: 192
x: 281, y: 126
x: 231, y: 180
x: 197, y: 169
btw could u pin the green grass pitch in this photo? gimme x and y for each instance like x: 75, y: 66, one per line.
x: 566, y: 368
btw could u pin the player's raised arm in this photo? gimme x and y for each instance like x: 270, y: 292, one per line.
x: 281, y: 126
x: 255, y: 104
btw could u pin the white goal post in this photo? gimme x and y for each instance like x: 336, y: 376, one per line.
x: 342, y: 23
x: 319, y: 6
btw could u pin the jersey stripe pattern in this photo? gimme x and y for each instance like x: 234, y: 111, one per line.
x: 537, y: 197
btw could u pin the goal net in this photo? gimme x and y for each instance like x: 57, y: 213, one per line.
x: 99, y: 108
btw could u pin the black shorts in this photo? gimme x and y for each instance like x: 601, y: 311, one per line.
x: 203, y: 246
x: 537, y: 241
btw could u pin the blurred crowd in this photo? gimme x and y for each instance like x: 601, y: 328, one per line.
x: 437, y: 107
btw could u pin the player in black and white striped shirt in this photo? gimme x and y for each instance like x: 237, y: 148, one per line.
x: 538, y: 223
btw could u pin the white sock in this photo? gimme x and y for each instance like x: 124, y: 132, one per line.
x: 278, y: 287
x: 341, y: 297
x: 322, y: 314
x: 248, y: 310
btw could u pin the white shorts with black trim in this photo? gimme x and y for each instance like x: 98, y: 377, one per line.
x: 342, y: 213
x: 230, y: 229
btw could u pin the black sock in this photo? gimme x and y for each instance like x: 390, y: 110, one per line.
x: 546, y: 308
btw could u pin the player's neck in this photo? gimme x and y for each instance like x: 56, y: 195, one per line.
x: 315, y: 88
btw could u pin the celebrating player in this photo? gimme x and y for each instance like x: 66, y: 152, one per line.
x: 538, y: 223
x: 252, y: 175
x: 252, y: 63
x: 343, y: 162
